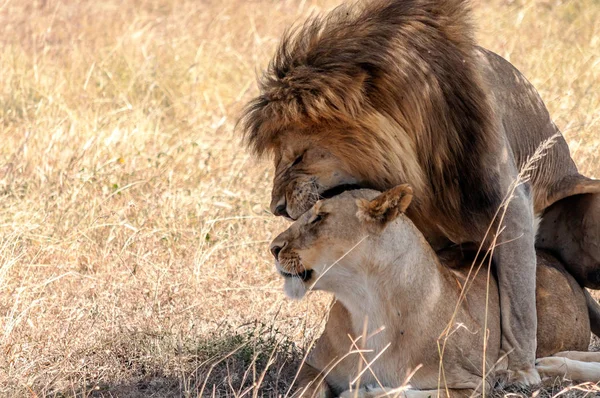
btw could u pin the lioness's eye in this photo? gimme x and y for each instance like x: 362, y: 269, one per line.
x: 298, y: 160
x: 316, y: 219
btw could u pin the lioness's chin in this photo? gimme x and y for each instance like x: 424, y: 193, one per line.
x: 294, y: 288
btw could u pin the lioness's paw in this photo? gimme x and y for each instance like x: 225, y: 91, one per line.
x: 365, y: 392
x: 552, y: 366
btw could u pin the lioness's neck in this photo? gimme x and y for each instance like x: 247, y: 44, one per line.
x: 402, y: 272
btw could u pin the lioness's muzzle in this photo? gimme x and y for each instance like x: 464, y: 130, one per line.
x: 304, y: 275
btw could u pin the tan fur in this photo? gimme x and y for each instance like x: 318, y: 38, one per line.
x: 385, y: 274
x: 389, y: 92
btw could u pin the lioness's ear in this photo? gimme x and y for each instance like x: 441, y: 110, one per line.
x: 387, y: 206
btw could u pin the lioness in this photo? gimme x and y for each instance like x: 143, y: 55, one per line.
x: 361, y: 247
x: 397, y: 91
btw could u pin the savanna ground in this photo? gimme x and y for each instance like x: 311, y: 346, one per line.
x: 133, y: 225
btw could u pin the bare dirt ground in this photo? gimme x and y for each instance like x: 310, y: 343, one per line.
x: 133, y: 225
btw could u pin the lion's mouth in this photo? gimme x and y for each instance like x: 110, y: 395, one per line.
x: 338, y: 189
x: 304, y: 275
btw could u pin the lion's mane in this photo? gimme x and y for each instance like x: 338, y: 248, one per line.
x: 394, y: 85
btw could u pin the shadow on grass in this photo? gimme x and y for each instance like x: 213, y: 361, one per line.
x: 151, y: 386
x: 254, y: 360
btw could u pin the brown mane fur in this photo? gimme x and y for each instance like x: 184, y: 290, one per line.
x: 396, y: 81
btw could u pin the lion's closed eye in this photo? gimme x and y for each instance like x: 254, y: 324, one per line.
x: 298, y: 160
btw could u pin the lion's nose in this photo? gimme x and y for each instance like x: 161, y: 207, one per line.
x: 281, y: 211
x: 279, y: 208
x: 276, y: 248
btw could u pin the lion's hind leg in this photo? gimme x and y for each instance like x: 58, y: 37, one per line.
x: 570, y: 228
x: 569, y: 365
x: 583, y: 356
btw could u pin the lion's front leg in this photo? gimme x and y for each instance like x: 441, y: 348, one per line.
x: 515, y: 261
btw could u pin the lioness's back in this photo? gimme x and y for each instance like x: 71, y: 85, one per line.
x: 563, y: 320
x: 562, y: 313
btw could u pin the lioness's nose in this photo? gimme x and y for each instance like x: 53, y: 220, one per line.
x: 276, y: 248
x: 278, y: 207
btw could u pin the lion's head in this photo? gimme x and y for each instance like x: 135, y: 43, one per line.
x: 371, y: 98
x: 318, y: 248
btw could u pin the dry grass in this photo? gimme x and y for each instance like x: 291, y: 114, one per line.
x: 133, y: 226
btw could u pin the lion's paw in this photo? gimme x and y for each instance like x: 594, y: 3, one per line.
x: 523, y: 377
x: 528, y: 377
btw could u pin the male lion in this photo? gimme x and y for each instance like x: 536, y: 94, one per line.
x: 399, y: 92
x: 361, y: 247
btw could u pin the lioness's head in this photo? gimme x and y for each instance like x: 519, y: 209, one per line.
x: 335, y: 236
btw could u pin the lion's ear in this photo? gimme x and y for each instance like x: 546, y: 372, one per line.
x: 387, y: 206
